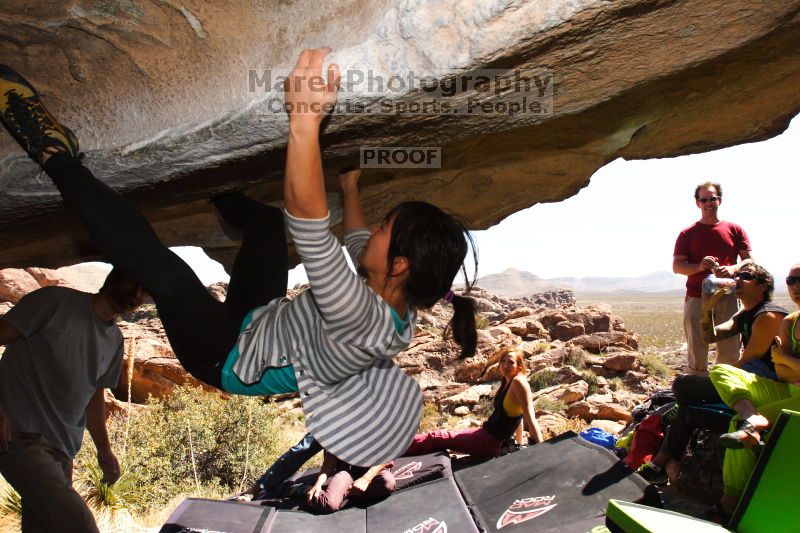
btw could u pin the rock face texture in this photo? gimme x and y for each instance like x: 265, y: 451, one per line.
x: 159, y: 93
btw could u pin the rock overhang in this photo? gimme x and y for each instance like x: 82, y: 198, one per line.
x: 158, y: 93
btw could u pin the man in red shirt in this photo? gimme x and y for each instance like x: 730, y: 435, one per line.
x: 709, y: 245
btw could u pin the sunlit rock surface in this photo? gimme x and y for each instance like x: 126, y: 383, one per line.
x: 159, y: 94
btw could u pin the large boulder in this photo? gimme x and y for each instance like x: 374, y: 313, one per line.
x: 15, y: 283
x: 470, y: 397
x: 173, y: 104
x: 603, y: 341
x: 611, y: 411
x: 619, y: 362
x: 566, y: 330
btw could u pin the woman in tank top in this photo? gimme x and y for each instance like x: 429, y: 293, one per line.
x: 512, y: 404
x: 787, y: 364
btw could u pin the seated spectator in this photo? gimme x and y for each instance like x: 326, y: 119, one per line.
x: 758, y: 322
x: 758, y: 400
x: 512, y: 404
x: 281, y: 470
x: 338, y: 480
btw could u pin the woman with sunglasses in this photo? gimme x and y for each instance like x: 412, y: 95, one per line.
x: 758, y: 400
x: 512, y: 404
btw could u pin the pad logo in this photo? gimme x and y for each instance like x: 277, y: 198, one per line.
x: 407, y: 471
x: 526, y: 509
x: 431, y: 525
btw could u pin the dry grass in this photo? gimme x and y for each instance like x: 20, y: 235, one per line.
x: 576, y: 357
x: 432, y: 418
x: 654, y: 365
x: 481, y: 322
x: 568, y: 424
x: 546, y: 403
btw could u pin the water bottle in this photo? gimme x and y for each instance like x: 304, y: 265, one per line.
x: 712, y: 284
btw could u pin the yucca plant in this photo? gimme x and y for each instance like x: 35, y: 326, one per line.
x: 123, y: 494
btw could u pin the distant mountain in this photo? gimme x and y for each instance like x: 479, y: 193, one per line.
x: 517, y: 283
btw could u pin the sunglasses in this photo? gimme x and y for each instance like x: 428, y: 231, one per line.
x: 709, y: 199
x: 744, y: 276
x: 791, y: 280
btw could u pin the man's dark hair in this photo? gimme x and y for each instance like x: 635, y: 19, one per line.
x: 705, y: 185
x: 762, y: 276
x: 115, y: 276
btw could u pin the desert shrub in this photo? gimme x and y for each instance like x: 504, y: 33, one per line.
x: 543, y: 379
x: 481, y: 322
x: 615, y: 384
x: 575, y: 357
x: 432, y: 418
x: 541, y: 347
x: 546, y: 403
x: 191, y: 442
x: 591, y: 378
x: 653, y: 365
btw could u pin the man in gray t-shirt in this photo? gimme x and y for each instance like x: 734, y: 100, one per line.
x: 63, y: 348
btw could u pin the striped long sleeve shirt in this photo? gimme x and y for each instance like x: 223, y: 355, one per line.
x: 340, y: 338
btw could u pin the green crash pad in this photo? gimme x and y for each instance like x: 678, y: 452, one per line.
x: 770, y: 499
x: 636, y: 518
x: 769, y: 502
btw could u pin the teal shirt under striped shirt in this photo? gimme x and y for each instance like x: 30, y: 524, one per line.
x: 276, y: 380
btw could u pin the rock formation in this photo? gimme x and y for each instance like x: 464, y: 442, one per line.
x: 160, y: 95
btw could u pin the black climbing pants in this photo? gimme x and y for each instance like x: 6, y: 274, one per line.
x: 695, y: 395
x: 201, y: 329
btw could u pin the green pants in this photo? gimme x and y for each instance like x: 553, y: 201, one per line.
x: 768, y: 396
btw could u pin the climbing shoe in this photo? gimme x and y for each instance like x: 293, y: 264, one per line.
x: 28, y: 120
x: 745, y: 436
x: 653, y: 473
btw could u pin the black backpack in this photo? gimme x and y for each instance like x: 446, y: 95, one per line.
x: 658, y: 400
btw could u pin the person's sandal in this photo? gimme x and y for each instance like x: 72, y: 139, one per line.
x: 29, y: 121
x: 737, y: 440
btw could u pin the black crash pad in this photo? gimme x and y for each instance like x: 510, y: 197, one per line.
x: 435, y: 507
x: 562, y: 484
x: 345, y: 521
x: 196, y: 515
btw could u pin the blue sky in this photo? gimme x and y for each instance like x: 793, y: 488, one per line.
x: 625, y: 222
